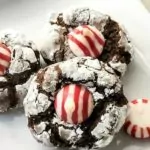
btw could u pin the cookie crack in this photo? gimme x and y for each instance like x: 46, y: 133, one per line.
x: 12, y: 97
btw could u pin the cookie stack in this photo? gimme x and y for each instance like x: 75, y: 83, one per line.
x: 77, y: 101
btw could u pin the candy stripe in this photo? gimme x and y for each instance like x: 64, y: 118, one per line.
x: 144, y: 100
x: 76, y: 47
x: 81, y: 107
x: 4, y: 52
x: 127, y: 124
x: 92, y: 46
x: 85, y: 104
x: 2, y: 69
x: 77, y: 90
x: 90, y: 105
x: 1, y: 72
x: 4, y: 63
x: 134, y: 101
x: 148, y: 130
x: 98, y: 35
x: 142, y: 133
x: 5, y: 47
x: 84, y: 49
x: 145, y: 132
x: 133, y: 131
x: 78, y: 31
x: 95, y: 34
x: 58, y: 102
x: 4, y: 57
x: 55, y: 104
x: 64, y: 97
x: 129, y: 129
x: 69, y: 103
x: 138, y: 133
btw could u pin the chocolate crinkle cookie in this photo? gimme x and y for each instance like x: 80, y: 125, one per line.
x: 77, y: 30
x: 19, y: 60
x: 78, y: 103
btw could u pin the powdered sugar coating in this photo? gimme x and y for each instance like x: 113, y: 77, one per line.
x: 35, y: 102
x: 25, y: 61
x: 21, y: 91
x: 3, y: 79
x: 81, y: 16
x: 11, y: 37
x: 121, y: 67
x: 101, y: 130
x: 107, y: 98
x: 40, y: 127
x: 57, y: 49
x: 50, y: 43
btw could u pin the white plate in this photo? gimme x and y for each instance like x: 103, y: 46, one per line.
x: 28, y: 16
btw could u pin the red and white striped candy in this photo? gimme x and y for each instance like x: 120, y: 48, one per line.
x: 5, y: 58
x: 74, y: 104
x: 138, y: 120
x: 86, y: 41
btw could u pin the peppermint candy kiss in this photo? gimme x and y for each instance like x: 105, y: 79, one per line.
x: 74, y: 103
x: 86, y: 41
x: 138, y: 120
x: 5, y: 58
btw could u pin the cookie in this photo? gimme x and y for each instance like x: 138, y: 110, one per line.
x: 19, y: 60
x: 53, y: 118
x: 117, y: 49
x: 137, y: 122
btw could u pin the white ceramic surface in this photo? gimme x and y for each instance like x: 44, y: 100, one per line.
x: 29, y: 16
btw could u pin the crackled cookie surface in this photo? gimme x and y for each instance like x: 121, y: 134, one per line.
x: 48, y: 100
x: 19, y: 60
x: 117, y: 48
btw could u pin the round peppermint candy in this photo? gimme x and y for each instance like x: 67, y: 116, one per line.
x: 86, y: 40
x: 5, y: 58
x: 74, y: 103
x: 138, y: 120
